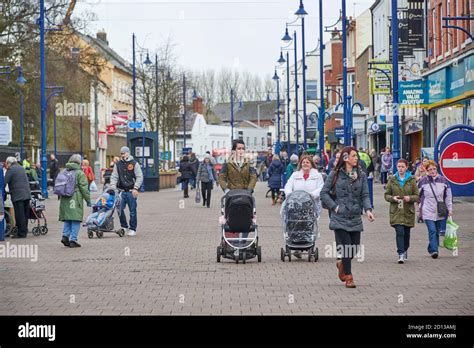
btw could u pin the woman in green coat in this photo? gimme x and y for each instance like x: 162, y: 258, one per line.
x: 402, y: 193
x: 71, y: 209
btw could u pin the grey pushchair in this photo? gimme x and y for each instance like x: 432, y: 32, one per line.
x: 299, y: 215
x: 102, y: 218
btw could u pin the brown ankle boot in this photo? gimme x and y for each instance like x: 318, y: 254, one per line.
x: 273, y: 201
x: 350, y: 281
x: 340, y: 267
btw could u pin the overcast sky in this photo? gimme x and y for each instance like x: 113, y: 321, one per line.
x: 240, y: 34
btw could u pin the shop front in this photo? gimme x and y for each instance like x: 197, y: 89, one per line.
x: 450, y: 93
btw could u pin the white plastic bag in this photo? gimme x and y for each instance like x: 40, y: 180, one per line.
x: 93, y: 187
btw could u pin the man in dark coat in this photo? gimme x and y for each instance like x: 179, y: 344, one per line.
x: 19, y: 189
x: 53, y: 168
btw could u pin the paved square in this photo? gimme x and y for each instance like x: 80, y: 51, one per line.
x: 170, y: 268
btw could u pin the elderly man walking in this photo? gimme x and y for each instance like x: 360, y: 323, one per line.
x: 128, y: 177
x: 19, y: 188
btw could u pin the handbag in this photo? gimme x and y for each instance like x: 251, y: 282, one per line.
x: 440, y: 206
x: 198, y: 195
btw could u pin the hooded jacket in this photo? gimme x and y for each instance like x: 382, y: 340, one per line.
x: 404, y: 213
x: 72, y: 208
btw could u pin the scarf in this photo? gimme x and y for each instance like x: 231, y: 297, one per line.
x: 353, y: 174
x: 209, y: 171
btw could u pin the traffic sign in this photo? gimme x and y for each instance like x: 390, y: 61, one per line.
x: 111, y: 129
x: 135, y: 125
x: 454, y: 151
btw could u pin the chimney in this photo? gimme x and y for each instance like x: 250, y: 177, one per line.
x: 102, y: 36
x: 197, y: 105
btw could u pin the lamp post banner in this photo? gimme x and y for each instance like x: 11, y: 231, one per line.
x: 379, y: 83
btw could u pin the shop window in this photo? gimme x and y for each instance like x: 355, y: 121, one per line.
x: 470, y: 112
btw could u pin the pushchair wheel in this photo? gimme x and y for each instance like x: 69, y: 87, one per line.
x: 90, y: 234
x: 236, y: 258
x: 44, y: 230
x: 121, y: 232
x: 259, y: 254
x: 282, y: 254
x: 288, y: 252
x: 218, y: 254
x: 99, y: 234
x: 316, y: 255
x: 244, y: 257
x: 36, y: 231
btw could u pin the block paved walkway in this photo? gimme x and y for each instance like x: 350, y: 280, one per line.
x: 170, y: 268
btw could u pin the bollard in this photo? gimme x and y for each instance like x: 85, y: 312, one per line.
x: 370, y: 183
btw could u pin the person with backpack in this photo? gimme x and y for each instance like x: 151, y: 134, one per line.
x: 128, y: 177
x: 19, y: 189
x: 72, y: 188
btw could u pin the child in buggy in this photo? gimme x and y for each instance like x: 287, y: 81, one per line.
x: 238, y: 219
x: 102, y: 218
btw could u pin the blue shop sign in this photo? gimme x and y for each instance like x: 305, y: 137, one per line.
x: 412, y: 93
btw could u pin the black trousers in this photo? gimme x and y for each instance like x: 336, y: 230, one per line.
x: 206, y: 188
x: 185, y: 183
x: 348, y: 245
x: 22, y: 214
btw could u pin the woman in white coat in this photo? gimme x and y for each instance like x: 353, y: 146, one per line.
x: 306, y: 178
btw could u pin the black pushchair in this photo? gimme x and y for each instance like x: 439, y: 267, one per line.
x: 299, y: 215
x: 37, y: 209
x: 238, y: 222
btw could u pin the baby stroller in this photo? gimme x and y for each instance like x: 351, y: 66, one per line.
x: 37, y: 208
x: 238, y: 221
x: 299, y: 215
x: 102, y: 218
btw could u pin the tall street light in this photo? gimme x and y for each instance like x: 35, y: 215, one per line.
x: 276, y: 78
x: 134, y: 82
x: 184, y: 110
x: 44, y: 179
x: 282, y: 60
x: 301, y: 13
x: 396, y: 144
x: 20, y: 81
x: 347, y: 130
x: 321, y: 82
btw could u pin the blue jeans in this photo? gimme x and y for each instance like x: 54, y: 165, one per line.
x: 71, y: 229
x: 127, y: 198
x: 403, y: 238
x: 434, y: 229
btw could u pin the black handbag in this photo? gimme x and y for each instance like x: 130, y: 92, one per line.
x: 441, y: 207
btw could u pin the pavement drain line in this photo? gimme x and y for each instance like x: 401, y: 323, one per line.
x: 99, y: 259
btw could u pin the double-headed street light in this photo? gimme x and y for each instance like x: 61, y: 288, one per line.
x: 276, y: 78
x: 282, y: 60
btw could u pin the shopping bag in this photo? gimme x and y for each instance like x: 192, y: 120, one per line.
x: 93, y: 187
x: 198, y: 195
x: 450, y: 238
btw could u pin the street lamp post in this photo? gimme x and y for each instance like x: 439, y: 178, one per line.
x: 184, y: 110
x: 296, y: 92
x: 347, y: 130
x: 157, y: 113
x: 20, y: 81
x: 396, y: 144
x: 301, y: 13
x: 134, y: 82
x: 231, y: 116
x: 321, y: 82
x: 44, y: 180
x: 276, y: 78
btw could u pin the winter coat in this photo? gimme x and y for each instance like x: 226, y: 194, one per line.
x: 53, y: 168
x: 233, y: 177
x: 351, y: 197
x: 386, y: 162
x: 187, y: 170
x: 290, y: 170
x: 203, y: 173
x: 194, y: 162
x: 404, y: 214
x: 274, y: 173
x: 72, y: 208
x: 18, y: 184
x: 428, y: 205
x: 313, y: 185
